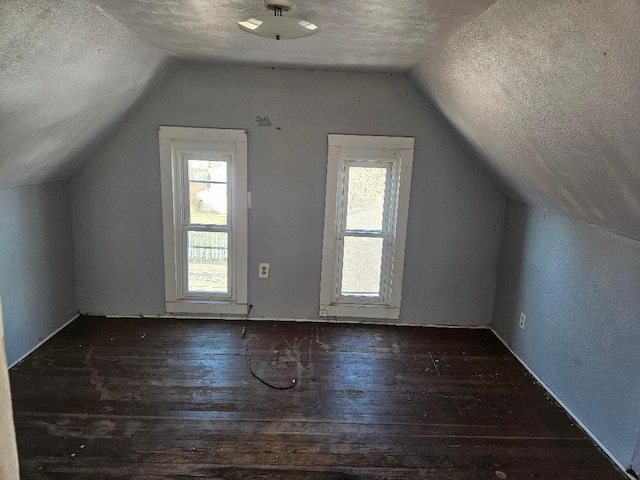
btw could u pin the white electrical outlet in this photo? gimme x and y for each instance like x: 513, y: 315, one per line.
x: 263, y: 270
x: 523, y: 321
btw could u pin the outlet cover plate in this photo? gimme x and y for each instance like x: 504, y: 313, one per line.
x: 263, y: 270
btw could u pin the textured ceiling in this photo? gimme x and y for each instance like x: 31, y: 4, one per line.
x: 68, y: 74
x: 549, y: 94
x: 354, y: 34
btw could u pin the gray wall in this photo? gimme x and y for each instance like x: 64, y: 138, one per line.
x: 37, y: 283
x: 454, y: 220
x: 579, y: 286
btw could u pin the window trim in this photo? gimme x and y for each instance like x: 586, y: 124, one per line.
x: 348, y: 148
x: 173, y: 142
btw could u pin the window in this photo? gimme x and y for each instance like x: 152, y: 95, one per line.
x: 366, y: 207
x: 204, y: 208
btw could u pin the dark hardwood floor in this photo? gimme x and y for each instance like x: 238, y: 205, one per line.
x: 147, y: 399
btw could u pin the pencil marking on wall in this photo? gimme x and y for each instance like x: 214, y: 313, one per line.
x: 263, y: 121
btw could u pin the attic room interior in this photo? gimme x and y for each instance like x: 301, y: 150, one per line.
x: 475, y: 316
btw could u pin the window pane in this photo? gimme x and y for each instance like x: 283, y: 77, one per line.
x: 208, y: 192
x: 208, y: 203
x: 365, y: 202
x: 209, y: 170
x: 207, y: 262
x: 361, y: 266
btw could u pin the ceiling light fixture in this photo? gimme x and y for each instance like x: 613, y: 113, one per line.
x: 277, y: 26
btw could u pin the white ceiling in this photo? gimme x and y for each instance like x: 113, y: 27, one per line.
x: 377, y: 35
x: 547, y: 93
x: 68, y: 74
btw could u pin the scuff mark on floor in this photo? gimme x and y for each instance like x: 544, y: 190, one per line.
x: 95, y: 378
x: 322, y: 344
x: 435, y: 364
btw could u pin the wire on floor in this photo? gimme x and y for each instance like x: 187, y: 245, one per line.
x: 248, y: 357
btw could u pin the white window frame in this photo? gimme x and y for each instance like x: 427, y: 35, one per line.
x: 396, y: 155
x: 175, y: 144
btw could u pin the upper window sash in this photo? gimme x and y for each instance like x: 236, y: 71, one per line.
x: 185, y: 183
x: 390, y: 197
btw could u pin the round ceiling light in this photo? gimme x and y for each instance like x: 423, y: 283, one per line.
x: 276, y: 26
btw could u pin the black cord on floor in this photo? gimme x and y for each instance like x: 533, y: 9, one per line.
x: 246, y: 353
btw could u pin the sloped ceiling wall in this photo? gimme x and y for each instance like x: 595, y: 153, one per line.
x: 68, y: 73
x: 371, y: 35
x: 548, y: 93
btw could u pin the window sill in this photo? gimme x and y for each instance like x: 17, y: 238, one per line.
x: 207, y: 307
x: 362, y: 311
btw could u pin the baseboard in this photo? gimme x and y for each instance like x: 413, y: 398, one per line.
x: 355, y: 321
x: 565, y: 407
x: 42, y: 342
x: 340, y: 320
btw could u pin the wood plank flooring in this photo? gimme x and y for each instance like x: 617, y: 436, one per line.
x: 151, y: 399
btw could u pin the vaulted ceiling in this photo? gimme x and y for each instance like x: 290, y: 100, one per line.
x: 68, y: 73
x: 546, y: 93
x: 373, y: 35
